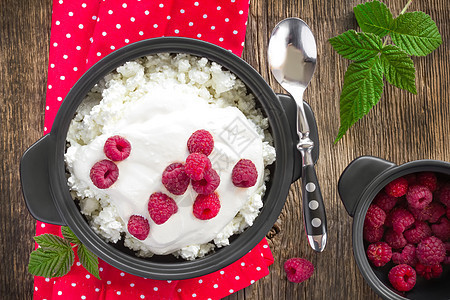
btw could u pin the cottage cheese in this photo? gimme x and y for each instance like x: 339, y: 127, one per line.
x: 156, y: 102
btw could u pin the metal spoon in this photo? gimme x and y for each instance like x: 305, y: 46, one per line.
x: 292, y: 57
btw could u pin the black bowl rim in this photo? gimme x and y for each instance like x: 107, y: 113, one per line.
x: 363, y: 205
x: 281, y: 177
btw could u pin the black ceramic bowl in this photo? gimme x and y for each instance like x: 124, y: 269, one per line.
x: 47, y: 196
x: 359, y: 184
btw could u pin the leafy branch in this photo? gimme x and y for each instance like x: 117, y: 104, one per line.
x: 413, y: 33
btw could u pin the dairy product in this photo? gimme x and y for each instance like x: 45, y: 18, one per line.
x: 156, y: 103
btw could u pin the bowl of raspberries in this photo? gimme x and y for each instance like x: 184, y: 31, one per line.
x: 401, y: 229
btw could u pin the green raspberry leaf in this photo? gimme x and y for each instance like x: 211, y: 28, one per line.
x: 52, y: 242
x: 50, y: 262
x: 398, y: 68
x: 357, y: 46
x: 374, y: 17
x: 69, y: 235
x: 363, y: 86
x: 416, y: 33
x: 89, y: 260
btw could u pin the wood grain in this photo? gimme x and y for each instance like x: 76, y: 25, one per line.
x: 401, y: 128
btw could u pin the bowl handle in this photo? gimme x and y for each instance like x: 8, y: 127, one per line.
x: 357, y: 176
x: 34, y: 177
x: 290, y: 109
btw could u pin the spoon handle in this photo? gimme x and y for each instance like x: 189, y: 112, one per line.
x: 313, y: 209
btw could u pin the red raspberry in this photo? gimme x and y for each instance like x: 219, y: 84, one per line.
x: 418, y: 232
x: 208, y: 184
x: 397, y: 187
x: 298, y: 269
x: 201, y: 141
x: 402, y: 277
x: 442, y: 229
x: 430, y: 213
x: 444, y: 195
x: 117, y: 148
x: 196, y: 165
x: 244, y: 173
x: 407, y: 256
x: 448, y: 212
x: 411, y: 178
x: 373, y: 234
x: 375, y: 216
x: 175, y: 180
x: 379, y: 253
x: 138, y: 227
x: 385, y: 202
x: 104, y: 173
x: 447, y: 251
x: 430, y: 251
x: 427, y: 179
x: 419, y: 196
x: 395, y: 240
x: 161, y: 207
x: 401, y: 219
x: 206, y: 206
x: 428, y: 272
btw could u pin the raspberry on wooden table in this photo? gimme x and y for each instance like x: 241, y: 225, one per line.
x: 442, y: 229
x: 196, y: 165
x: 201, y: 141
x: 379, y: 253
x: 385, y: 201
x: 117, y: 148
x: 430, y: 251
x: 161, y: 207
x: 244, y: 173
x: 429, y: 272
x: 395, y: 240
x: 444, y: 195
x: 402, y: 277
x: 406, y: 256
x: 104, y: 173
x: 427, y: 179
x: 431, y: 213
x: 419, y: 196
x: 175, y: 179
x: 372, y: 234
x: 397, y: 187
x: 206, y: 206
x: 401, y: 220
x: 138, y: 227
x: 298, y: 269
x: 419, y: 231
x: 208, y: 184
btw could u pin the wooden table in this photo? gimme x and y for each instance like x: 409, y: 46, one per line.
x: 401, y: 128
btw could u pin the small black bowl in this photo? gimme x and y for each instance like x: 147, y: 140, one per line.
x: 358, y: 185
x: 47, y: 196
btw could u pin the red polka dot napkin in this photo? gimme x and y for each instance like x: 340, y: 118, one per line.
x: 84, y: 31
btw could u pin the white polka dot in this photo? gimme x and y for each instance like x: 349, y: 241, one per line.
x: 70, y: 14
x: 127, y: 41
x: 146, y: 12
x: 215, y: 286
x: 231, y: 291
x: 252, y: 282
x: 112, y: 47
x: 98, y: 19
x: 94, y: 17
x: 61, y: 2
x: 110, y: 12
x: 237, y: 277
x: 99, y: 54
x: 155, y: 289
x: 316, y: 222
x: 83, y: 297
x: 176, y: 31
x: 55, y: 44
x: 118, y: 26
x: 227, y: 20
x: 161, y: 5
x: 196, y: 3
x: 310, y: 187
x: 191, y: 23
x: 78, y: 263
x: 36, y: 288
x: 122, y: 274
x: 83, y: 5
x: 47, y: 279
x: 81, y: 26
x: 45, y: 129
x: 74, y: 284
x: 124, y: 5
x: 219, y: 8
x: 194, y: 295
x: 241, y: 12
x: 179, y: 290
x: 182, y: 11
x: 49, y: 87
x: 168, y: 17
x: 97, y: 289
x: 155, y: 25
x: 52, y: 66
x: 119, y: 292
x: 78, y: 47
x: 101, y: 269
x: 265, y: 246
x: 221, y: 39
x: 169, y: 281
x: 132, y: 19
x: 242, y: 263
x: 213, y: 27
x: 141, y: 33
x: 104, y: 33
x: 258, y: 268
x: 108, y: 282
x: 235, y: 31
x: 132, y: 284
x: 62, y: 77
x: 222, y: 272
x: 60, y: 98
x: 57, y: 22
x: 59, y: 293
x: 142, y: 297
x: 205, y: 16
x: 199, y: 35
x: 68, y: 35
x: 88, y: 276
x: 47, y: 107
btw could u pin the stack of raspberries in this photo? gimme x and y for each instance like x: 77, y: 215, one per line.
x: 408, y: 223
